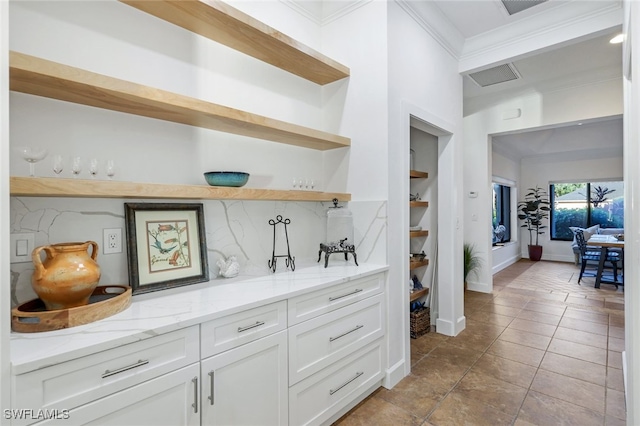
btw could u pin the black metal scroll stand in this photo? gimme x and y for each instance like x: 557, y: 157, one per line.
x: 342, y: 247
x: 288, y: 261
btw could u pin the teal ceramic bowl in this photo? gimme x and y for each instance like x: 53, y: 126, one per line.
x: 236, y: 179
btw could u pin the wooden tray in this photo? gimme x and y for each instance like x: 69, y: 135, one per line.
x: 32, y: 316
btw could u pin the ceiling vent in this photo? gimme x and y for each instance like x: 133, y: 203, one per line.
x: 495, y: 75
x: 515, y: 6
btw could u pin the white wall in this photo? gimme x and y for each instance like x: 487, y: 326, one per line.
x: 541, y: 109
x: 423, y: 80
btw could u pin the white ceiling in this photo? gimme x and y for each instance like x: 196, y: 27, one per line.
x: 460, y: 23
x: 580, y: 62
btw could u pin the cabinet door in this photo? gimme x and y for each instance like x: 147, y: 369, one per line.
x: 247, y: 385
x: 166, y: 400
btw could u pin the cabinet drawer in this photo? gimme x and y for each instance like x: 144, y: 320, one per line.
x: 234, y: 330
x: 165, y: 400
x: 317, y: 398
x: 70, y: 384
x: 307, y: 306
x: 317, y: 343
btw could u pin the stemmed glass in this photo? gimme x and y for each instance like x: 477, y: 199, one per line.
x: 111, y: 169
x: 58, y: 164
x: 93, y: 168
x: 76, y: 166
x: 32, y: 155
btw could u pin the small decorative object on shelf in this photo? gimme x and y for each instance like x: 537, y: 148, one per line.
x: 414, y: 197
x: 229, y: 267
x: 418, y: 256
x: 417, y: 285
x: 289, y: 261
x: 339, y: 224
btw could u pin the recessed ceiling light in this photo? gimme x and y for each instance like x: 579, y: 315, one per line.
x: 617, y: 39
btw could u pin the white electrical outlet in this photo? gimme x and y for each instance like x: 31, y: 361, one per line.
x: 112, y: 240
x: 22, y: 246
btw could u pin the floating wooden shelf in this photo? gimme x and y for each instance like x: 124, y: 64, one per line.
x: 414, y: 174
x: 57, y: 187
x: 418, y: 204
x: 36, y: 76
x: 226, y: 25
x: 414, y: 234
x: 417, y: 294
x: 415, y: 264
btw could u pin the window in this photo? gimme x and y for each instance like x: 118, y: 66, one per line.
x: 585, y: 204
x: 501, y: 214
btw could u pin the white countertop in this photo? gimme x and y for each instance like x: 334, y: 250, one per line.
x: 169, y: 310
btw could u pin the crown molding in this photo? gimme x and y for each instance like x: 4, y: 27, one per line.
x: 295, y: 5
x: 561, y: 24
x: 318, y: 17
x: 434, y: 22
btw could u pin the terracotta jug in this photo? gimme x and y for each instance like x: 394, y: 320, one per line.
x: 68, y: 275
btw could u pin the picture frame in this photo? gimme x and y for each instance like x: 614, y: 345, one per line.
x: 166, y: 245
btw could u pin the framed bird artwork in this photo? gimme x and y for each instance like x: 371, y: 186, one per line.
x: 166, y: 245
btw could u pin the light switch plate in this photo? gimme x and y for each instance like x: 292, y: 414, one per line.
x: 26, y: 243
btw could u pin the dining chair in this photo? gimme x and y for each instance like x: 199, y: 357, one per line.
x: 592, y: 254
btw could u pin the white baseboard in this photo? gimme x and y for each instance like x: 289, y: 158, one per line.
x: 449, y: 328
x: 503, y: 265
x: 395, y: 373
x: 480, y: 287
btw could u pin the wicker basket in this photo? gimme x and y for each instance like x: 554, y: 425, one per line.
x: 420, y: 322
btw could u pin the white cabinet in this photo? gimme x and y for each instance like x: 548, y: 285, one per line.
x: 336, y: 349
x: 168, y: 400
x: 79, y: 381
x: 247, y: 385
x: 315, y: 399
x: 319, y: 342
x: 302, y: 360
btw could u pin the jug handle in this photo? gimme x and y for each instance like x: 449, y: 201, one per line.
x: 94, y: 252
x: 37, y: 262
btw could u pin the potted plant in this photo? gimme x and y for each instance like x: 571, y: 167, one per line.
x: 533, y: 210
x: 471, y: 261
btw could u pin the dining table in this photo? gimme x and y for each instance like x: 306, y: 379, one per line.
x: 605, y: 242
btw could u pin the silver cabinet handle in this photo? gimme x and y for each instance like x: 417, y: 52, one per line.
x: 358, y: 374
x: 357, y: 290
x: 195, y: 394
x: 140, y: 363
x: 211, y: 376
x: 249, y: 327
x: 358, y: 327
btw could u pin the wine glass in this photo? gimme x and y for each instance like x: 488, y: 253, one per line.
x: 111, y: 169
x: 93, y: 168
x: 32, y: 155
x: 58, y: 164
x: 76, y: 166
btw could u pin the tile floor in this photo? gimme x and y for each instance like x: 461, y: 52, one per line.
x: 540, y: 350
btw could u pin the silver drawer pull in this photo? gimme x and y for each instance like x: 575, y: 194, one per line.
x: 357, y: 290
x: 358, y: 327
x: 249, y: 327
x: 212, y: 376
x: 195, y: 394
x: 140, y: 363
x: 358, y: 374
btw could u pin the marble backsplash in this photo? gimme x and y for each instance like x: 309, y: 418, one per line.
x: 239, y: 228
